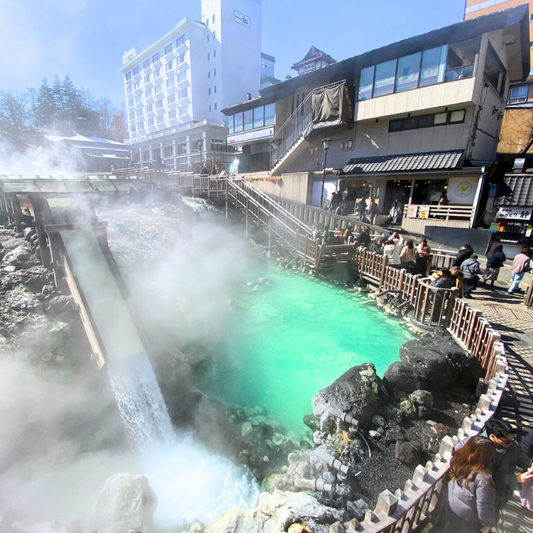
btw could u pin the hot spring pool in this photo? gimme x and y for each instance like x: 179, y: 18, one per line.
x: 286, y: 341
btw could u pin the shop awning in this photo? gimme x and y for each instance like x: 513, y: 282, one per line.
x: 444, y: 160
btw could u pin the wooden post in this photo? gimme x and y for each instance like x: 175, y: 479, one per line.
x: 17, y: 212
x: 383, y: 271
x: 269, y: 234
x: 40, y: 222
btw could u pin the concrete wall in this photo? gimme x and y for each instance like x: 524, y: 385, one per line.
x: 443, y: 94
x: 419, y: 225
x: 291, y: 186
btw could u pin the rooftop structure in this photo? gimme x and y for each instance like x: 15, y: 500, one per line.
x: 313, y: 60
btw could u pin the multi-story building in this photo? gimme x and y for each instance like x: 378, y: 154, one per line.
x: 183, y: 80
x: 405, y: 122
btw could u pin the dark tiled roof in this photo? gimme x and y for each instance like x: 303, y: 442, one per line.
x: 405, y: 163
x: 314, y: 53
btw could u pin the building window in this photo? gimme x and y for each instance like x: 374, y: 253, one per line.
x: 347, y: 145
x: 207, y: 22
x: 213, y: 19
x: 130, y: 89
x: 259, y: 117
x: 214, y: 72
x: 238, y: 120
x: 149, y: 108
x: 461, y: 59
x: 168, y: 66
x: 248, y: 120
x: 169, y: 151
x: 160, y: 119
x: 208, y: 56
x: 208, y: 38
x: 157, y: 72
x: 182, y: 94
x: 171, y: 98
x: 133, y: 129
x: 180, y: 40
x: 433, y: 66
x: 155, y: 57
x: 427, y: 121
x: 172, y: 114
x: 208, y: 74
x: 384, y: 79
x: 146, y: 156
x: 182, y: 148
x: 136, y: 85
x: 146, y: 64
x: 137, y: 99
x: 136, y: 71
x: 209, y: 91
x: 159, y: 104
x: 170, y: 82
x: 130, y: 102
x: 141, y: 125
x: 214, y: 35
x: 168, y: 49
x: 214, y: 53
x: 210, y: 108
x: 158, y: 88
x: 270, y: 114
x: 150, y: 122
x: 182, y: 76
x: 147, y: 79
x: 184, y: 110
x: 139, y: 112
x: 132, y: 115
x: 215, y: 88
x: 148, y: 93
x: 215, y: 107
x: 181, y: 59
x: 128, y: 76
x: 518, y: 95
x: 408, y: 72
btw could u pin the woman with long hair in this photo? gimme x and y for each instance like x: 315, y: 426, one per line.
x: 408, y: 256
x: 471, y: 490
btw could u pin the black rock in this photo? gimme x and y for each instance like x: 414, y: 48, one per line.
x: 358, y: 392
x: 401, y: 377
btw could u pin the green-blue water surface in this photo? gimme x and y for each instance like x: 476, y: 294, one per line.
x: 285, y: 342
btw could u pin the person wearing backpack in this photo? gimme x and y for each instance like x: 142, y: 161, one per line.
x: 471, y: 270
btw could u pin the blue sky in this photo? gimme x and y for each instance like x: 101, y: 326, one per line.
x: 86, y: 38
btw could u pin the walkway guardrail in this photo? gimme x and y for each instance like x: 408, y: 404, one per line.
x: 444, y: 212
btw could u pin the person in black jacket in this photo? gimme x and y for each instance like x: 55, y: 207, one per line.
x: 495, y: 260
x: 527, y: 444
x: 464, y: 253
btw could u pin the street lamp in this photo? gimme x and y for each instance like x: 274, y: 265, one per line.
x: 326, y: 142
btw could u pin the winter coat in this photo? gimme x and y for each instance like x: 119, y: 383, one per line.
x: 463, y: 255
x: 495, y: 259
x: 520, y: 264
x: 527, y: 444
x: 503, y: 468
x: 474, y: 501
x: 470, y: 268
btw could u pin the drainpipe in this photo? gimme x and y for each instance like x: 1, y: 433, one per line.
x: 475, y: 206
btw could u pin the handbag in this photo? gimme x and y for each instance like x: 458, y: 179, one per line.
x: 526, y: 495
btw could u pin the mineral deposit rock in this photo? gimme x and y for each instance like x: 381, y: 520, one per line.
x: 126, y: 502
x: 277, y: 512
x: 359, y: 392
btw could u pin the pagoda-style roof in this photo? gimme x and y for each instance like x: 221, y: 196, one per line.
x: 314, y: 54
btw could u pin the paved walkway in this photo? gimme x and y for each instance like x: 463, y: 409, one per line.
x: 514, y: 321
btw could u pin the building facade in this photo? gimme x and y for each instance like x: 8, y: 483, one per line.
x: 407, y: 122
x: 189, y: 75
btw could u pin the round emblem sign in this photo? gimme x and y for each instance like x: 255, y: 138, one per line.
x: 463, y: 189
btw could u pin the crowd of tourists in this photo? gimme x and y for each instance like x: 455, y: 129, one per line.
x: 485, y: 471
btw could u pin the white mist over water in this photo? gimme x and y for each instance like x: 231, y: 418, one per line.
x: 189, y: 481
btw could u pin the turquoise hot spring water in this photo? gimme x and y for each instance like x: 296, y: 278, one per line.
x: 286, y: 341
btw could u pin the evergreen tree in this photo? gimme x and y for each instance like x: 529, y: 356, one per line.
x: 57, y: 92
x: 46, y: 107
x: 72, y: 102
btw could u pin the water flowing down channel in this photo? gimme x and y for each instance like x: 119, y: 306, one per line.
x: 189, y: 481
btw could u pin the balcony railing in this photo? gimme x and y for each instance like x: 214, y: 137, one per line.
x: 443, y: 212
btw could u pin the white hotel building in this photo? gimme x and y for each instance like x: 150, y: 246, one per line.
x: 176, y: 88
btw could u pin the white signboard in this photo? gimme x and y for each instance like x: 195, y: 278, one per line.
x: 514, y: 213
